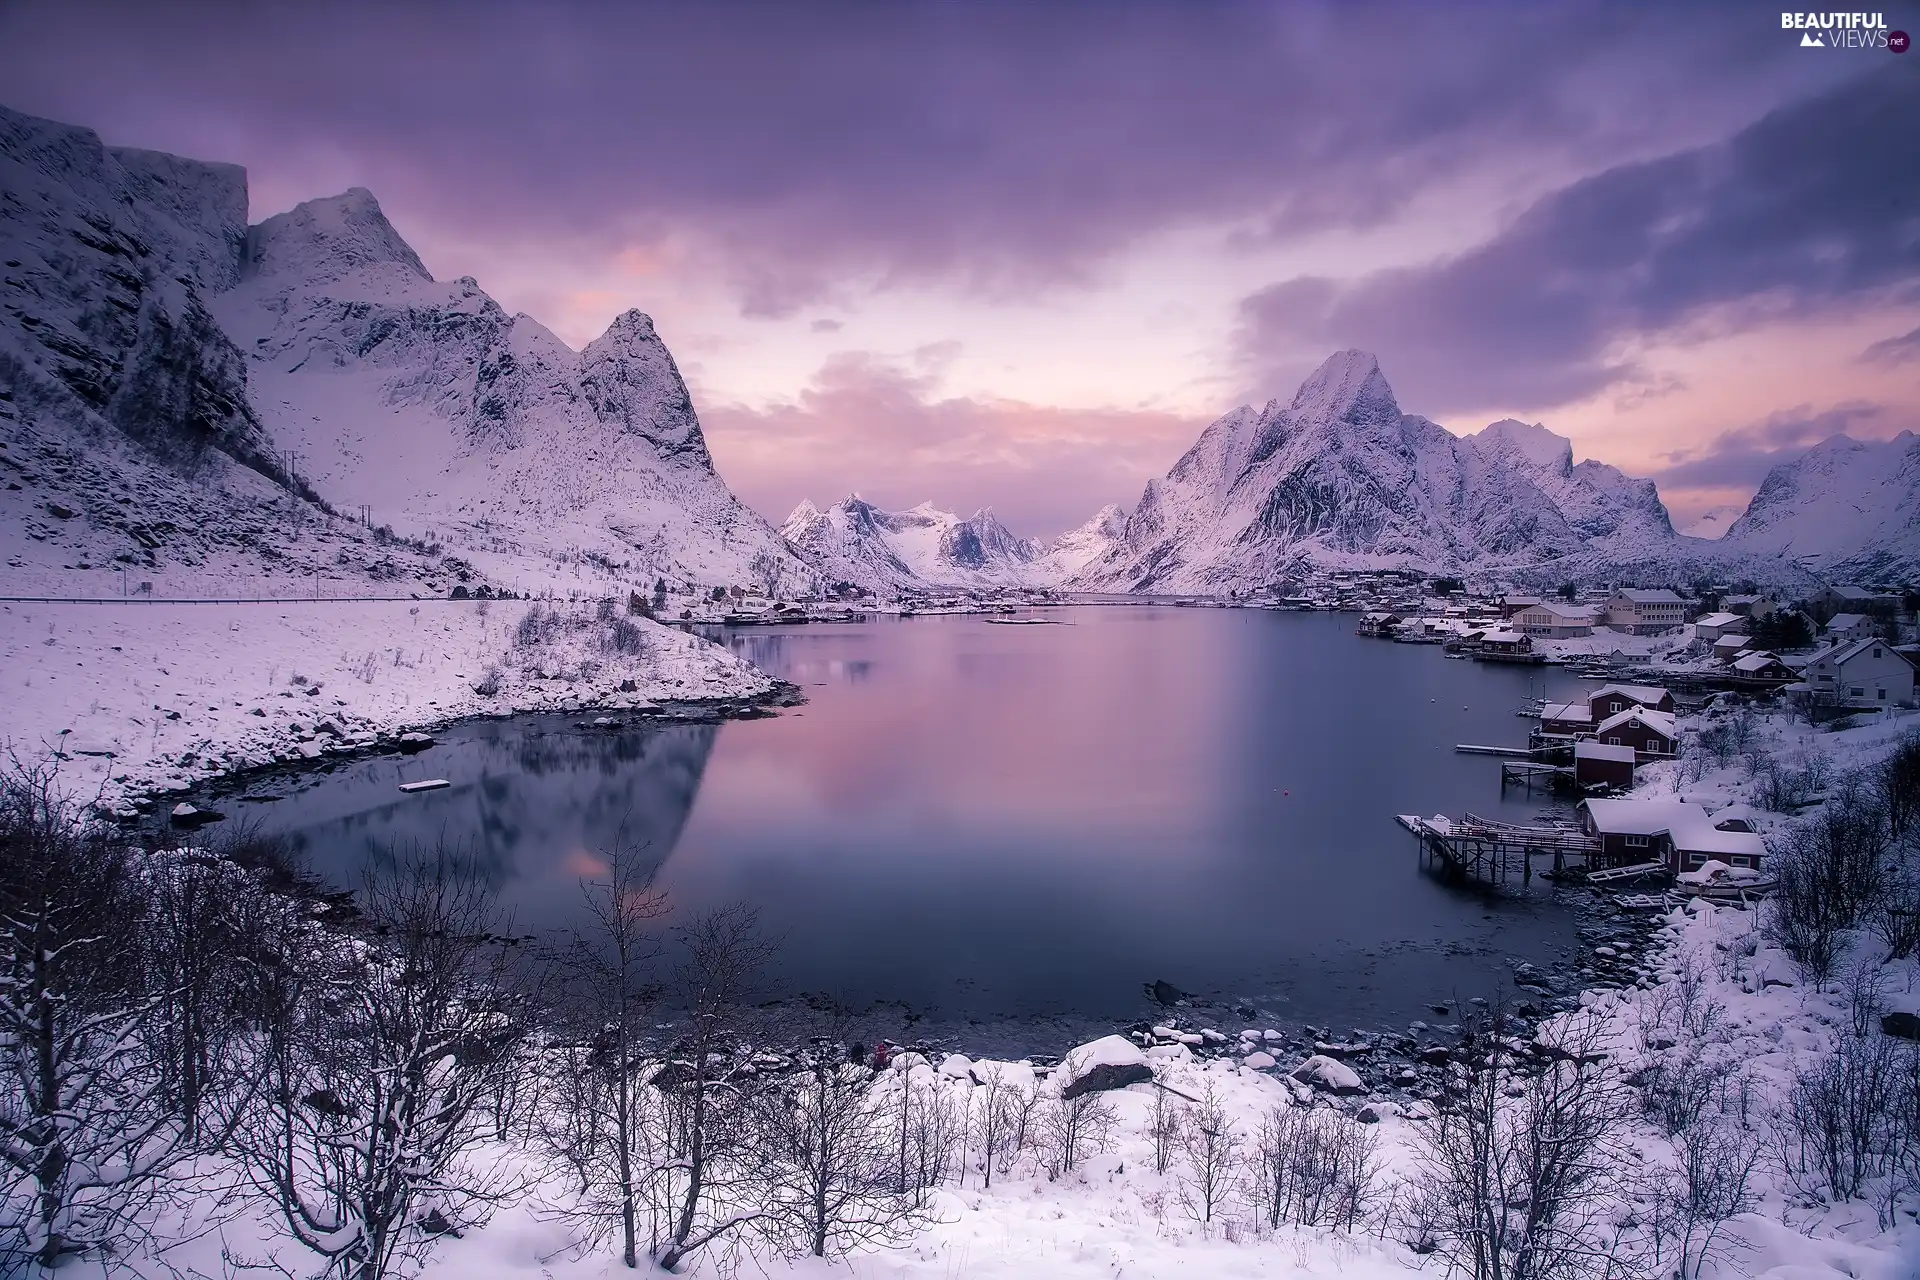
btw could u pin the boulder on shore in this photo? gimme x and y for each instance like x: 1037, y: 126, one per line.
x: 1327, y: 1073
x: 1111, y: 1062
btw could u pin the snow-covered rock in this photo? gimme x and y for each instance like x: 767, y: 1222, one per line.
x: 1330, y: 1074
x: 957, y: 1066
x: 1111, y: 1062
x: 1258, y: 1060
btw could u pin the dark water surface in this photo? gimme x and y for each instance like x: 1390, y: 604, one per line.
x: 1006, y: 827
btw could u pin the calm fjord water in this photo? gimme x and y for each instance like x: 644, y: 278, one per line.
x: 1022, y: 825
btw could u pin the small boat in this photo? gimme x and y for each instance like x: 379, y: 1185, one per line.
x: 1023, y: 622
x: 425, y: 784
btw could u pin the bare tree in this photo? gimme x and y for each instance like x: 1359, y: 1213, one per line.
x: 829, y: 1183
x: 1074, y: 1129
x: 86, y: 1128
x: 1002, y: 1106
x: 1515, y: 1188
x: 1712, y: 1182
x: 1163, y: 1127
x: 710, y: 1127
x: 380, y: 1060
x: 603, y: 1122
x: 1209, y: 1156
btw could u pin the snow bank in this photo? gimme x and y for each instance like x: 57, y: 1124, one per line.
x: 160, y: 695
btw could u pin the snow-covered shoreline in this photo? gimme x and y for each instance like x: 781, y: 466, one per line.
x: 145, y: 698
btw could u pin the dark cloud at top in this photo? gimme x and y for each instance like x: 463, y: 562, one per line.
x: 1741, y: 458
x: 1816, y: 203
x: 1008, y: 145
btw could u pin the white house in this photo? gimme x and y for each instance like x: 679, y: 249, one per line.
x: 1865, y: 673
x: 1554, y: 619
x: 1714, y: 625
x: 1644, y: 612
x: 1758, y: 664
x: 1844, y: 628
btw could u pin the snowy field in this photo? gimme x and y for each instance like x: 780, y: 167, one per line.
x: 144, y: 696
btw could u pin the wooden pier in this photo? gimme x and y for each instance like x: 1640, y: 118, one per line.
x: 1491, y: 853
x: 1527, y: 773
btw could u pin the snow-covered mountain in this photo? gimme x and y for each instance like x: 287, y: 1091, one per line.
x: 1714, y: 522
x: 855, y: 542
x: 1845, y: 508
x: 129, y: 440
x: 190, y: 391
x: 1340, y: 477
x: 424, y: 398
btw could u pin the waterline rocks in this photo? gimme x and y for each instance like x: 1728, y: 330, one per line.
x: 1111, y: 1062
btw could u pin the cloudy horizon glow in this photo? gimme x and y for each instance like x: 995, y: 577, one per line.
x: 1018, y: 256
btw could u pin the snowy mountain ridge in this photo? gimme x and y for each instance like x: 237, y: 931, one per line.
x: 189, y: 390
x: 857, y: 543
x: 1846, y: 508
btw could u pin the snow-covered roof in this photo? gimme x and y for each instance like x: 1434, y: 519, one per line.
x: 1717, y: 620
x: 1644, y: 694
x: 1659, y: 721
x: 1590, y: 750
x: 1688, y: 825
x: 1758, y: 660
x: 1657, y: 595
x: 1733, y: 641
x: 1736, y: 813
x: 1566, y: 711
x: 1571, y: 612
x: 1846, y: 621
x: 1642, y: 817
x: 1840, y: 655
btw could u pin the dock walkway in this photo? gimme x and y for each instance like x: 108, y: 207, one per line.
x: 1490, y: 852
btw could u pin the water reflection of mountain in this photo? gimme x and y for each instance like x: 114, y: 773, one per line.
x: 531, y: 806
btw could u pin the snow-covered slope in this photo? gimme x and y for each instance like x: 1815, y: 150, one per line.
x: 1340, y: 477
x: 1075, y: 549
x: 426, y: 402
x: 1714, y: 522
x: 129, y: 439
x: 1846, y: 507
x: 855, y: 542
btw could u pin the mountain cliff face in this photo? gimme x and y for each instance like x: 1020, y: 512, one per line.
x: 1340, y: 478
x: 160, y: 359
x: 424, y: 398
x: 1846, y: 508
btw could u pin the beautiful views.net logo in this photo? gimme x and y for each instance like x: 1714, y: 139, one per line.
x: 1844, y: 31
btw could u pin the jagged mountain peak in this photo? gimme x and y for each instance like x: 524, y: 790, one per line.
x: 1529, y: 442
x: 329, y: 238
x: 631, y: 380
x: 1348, y: 385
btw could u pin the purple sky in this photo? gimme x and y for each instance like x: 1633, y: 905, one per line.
x: 1017, y: 254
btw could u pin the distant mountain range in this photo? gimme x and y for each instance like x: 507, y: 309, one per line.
x: 177, y: 387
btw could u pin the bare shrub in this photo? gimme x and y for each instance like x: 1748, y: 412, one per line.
x: 625, y: 636
x: 538, y: 626
x: 1314, y: 1168
x: 1074, y: 1129
x: 1832, y: 870
x: 829, y: 1184
x: 1712, y: 1181
x: 1002, y: 1107
x: 1837, y: 1113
